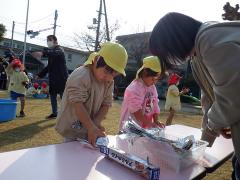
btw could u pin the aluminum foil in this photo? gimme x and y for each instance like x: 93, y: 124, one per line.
x: 158, y: 134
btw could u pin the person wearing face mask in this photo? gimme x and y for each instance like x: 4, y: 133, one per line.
x: 56, y: 69
x: 173, y: 103
x: 18, y: 82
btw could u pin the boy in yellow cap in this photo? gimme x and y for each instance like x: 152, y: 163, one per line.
x: 88, y: 94
x: 141, y: 98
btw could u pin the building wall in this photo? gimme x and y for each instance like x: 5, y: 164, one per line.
x: 74, y: 58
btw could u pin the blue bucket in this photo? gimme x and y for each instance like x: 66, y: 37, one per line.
x: 40, y: 96
x: 8, y: 109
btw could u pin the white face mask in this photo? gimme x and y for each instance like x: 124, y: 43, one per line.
x: 50, y: 44
x: 17, y: 69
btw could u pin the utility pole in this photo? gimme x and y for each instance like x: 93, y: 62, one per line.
x: 99, y: 23
x: 55, y: 22
x: 13, y: 26
x: 106, y: 20
x: 36, y: 33
x: 25, y: 36
x: 98, y: 27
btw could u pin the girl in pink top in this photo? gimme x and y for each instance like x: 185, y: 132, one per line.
x: 141, y: 98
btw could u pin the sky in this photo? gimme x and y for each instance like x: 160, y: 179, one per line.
x: 74, y: 16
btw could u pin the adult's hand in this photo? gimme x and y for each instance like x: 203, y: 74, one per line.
x: 37, y: 77
x: 37, y: 55
x: 226, y: 133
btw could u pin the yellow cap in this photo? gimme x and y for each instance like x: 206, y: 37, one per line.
x: 114, y: 55
x: 91, y: 58
x: 151, y: 62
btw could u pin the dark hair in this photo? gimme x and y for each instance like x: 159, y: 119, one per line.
x: 147, y: 72
x: 102, y: 63
x: 173, y: 38
x: 52, y: 37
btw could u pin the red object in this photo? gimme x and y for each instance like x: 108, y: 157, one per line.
x: 36, y: 85
x: 173, y: 79
x: 44, y: 85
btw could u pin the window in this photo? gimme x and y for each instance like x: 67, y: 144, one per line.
x: 69, y: 56
x: 6, y: 44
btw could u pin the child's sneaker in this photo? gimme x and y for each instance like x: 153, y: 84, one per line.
x: 22, y: 114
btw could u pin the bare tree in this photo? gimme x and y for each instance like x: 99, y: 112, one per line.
x: 136, y: 45
x: 231, y: 13
x: 139, y: 50
x: 2, y: 31
x: 86, y: 40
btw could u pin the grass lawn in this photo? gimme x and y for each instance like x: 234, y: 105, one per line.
x: 34, y: 130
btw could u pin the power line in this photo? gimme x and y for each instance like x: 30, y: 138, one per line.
x: 32, y: 22
x: 35, y: 21
x: 41, y: 19
x: 66, y: 40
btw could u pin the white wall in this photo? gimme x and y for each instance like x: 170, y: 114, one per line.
x: 76, y: 60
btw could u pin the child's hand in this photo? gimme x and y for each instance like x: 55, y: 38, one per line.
x: 24, y: 83
x: 159, y: 124
x: 93, y: 134
x: 147, y: 123
x: 185, y: 90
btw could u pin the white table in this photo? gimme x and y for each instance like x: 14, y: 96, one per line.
x: 214, y: 156
x: 73, y: 161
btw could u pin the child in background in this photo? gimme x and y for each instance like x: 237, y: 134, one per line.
x: 140, y: 98
x: 88, y: 94
x: 44, y: 88
x: 173, y: 103
x: 18, y: 82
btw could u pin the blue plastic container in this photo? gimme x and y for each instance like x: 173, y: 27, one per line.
x: 8, y: 110
x: 40, y: 96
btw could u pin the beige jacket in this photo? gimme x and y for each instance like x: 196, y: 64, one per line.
x: 16, y: 80
x: 82, y: 87
x: 173, y: 98
x: 217, y: 71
